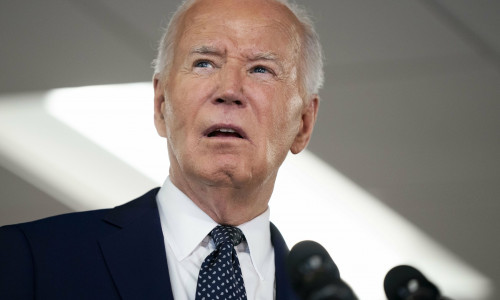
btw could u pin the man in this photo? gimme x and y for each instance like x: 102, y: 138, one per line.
x: 235, y: 89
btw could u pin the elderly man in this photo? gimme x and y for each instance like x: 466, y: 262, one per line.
x: 235, y: 89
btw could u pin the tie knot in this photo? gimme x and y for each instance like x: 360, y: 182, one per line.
x: 224, y: 234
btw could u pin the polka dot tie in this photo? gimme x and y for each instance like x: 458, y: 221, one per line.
x: 220, y: 274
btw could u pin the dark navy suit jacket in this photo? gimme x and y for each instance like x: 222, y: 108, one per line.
x: 104, y: 254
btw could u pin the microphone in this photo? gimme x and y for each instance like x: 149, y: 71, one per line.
x: 407, y: 283
x: 314, y: 275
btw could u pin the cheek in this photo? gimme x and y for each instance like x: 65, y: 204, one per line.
x: 284, y: 123
x: 278, y: 109
x: 175, y: 120
x: 171, y: 112
x: 185, y: 97
x: 287, y: 117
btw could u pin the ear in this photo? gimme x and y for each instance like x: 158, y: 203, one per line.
x: 159, y: 96
x: 308, y: 119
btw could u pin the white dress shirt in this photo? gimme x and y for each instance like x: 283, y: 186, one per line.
x: 185, y: 230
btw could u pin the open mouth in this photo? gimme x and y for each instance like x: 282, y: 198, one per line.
x: 230, y: 132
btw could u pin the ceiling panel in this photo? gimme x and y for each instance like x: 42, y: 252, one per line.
x: 480, y: 17
x: 54, y: 43
x: 384, y: 30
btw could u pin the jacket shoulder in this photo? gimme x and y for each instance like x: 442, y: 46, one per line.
x: 81, y: 224
x: 62, y: 254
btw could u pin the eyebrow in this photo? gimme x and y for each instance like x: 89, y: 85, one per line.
x: 263, y: 56
x: 210, y: 50
x: 254, y: 56
x: 266, y: 56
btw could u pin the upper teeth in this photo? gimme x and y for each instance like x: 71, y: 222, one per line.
x: 226, y: 130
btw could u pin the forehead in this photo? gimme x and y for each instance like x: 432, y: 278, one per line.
x: 260, y: 25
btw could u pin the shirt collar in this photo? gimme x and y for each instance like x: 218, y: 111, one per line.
x: 258, y: 235
x: 186, y: 226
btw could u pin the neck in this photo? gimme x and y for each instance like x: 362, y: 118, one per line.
x: 227, y: 205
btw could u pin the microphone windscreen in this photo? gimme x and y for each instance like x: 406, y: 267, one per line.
x: 307, y: 258
x: 313, y: 273
x: 405, y: 282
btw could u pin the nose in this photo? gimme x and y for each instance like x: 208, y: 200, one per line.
x: 230, y: 86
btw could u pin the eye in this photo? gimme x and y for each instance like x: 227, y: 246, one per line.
x: 202, y: 64
x: 260, y: 69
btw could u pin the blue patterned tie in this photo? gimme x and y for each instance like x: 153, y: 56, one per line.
x: 220, y: 274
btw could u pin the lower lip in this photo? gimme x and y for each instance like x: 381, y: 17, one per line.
x: 226, y: 135
x: 225, y: 139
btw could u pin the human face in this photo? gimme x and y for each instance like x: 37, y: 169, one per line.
x: 231, y: 106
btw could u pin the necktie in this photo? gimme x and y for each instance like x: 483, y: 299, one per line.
x: 220, y: 273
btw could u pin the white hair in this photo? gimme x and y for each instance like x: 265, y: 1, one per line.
x: 311, y: 58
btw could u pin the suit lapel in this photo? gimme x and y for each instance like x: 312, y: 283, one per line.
x: 284, y: 290
x: 135, y: 253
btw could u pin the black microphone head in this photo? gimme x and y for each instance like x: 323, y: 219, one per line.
x: 407, y: 283
x: 307, y: 259
x: 314, y: 275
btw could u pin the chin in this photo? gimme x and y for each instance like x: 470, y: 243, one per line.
x: 227, y: 178
x: 226, y: 174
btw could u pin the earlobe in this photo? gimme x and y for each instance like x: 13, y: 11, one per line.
x: 308, y: 120
x: 159, y: 103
